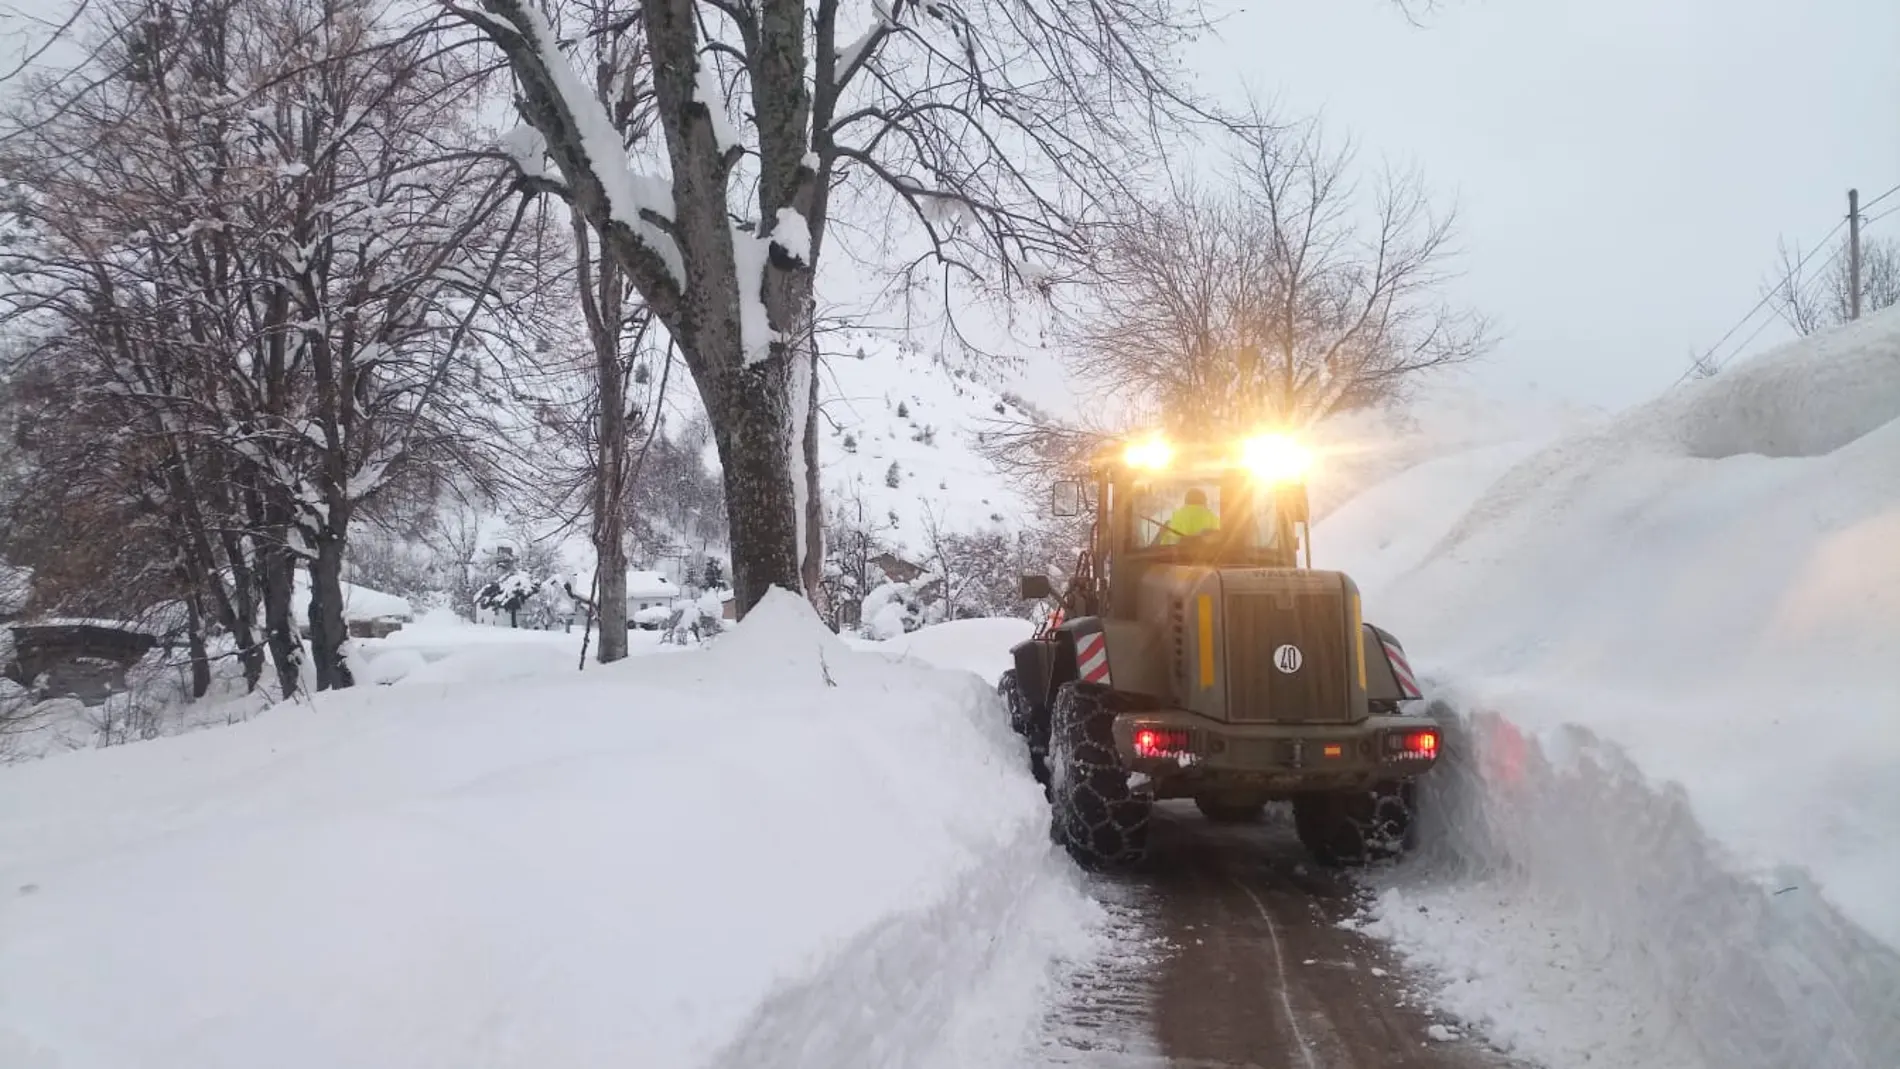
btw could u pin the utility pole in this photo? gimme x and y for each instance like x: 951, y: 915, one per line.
x: 1853, y: 254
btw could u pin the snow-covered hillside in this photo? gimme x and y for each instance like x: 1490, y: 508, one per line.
x: 745, y: 856
x: 1665, y: 832
x: 900, y: 429
x: 1444, y: 417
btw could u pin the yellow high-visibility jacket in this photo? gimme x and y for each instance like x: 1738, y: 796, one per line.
x: 1187, y: 521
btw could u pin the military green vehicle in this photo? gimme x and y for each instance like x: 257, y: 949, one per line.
x: 1193, y: 655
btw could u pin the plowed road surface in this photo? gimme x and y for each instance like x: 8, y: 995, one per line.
x: 1236, y: 961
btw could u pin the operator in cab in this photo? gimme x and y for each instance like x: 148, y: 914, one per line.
x: 1192, y: 518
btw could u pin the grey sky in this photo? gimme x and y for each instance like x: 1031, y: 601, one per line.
x: 1622, y: 167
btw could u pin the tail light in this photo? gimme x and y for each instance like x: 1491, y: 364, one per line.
x: 1160, y: 742
x: 1412, y: 745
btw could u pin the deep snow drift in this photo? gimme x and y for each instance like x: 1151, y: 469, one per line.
x: 1675, y: 639
x: 777, y: 851
x: 977, y: 646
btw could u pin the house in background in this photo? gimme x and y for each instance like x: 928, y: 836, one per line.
x: 650, y: 598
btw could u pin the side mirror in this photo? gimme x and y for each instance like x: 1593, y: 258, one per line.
x: 1067, y: 498
x: 1037, y: 587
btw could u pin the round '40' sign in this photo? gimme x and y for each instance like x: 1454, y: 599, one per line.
x: 1288, y: 658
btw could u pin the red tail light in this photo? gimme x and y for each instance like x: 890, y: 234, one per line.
x: 1412, y: 746
x: 1157, y: 742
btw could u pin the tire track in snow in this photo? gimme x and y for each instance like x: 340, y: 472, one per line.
x: 1232, y: 957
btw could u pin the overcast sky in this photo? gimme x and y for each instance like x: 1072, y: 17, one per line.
x: 1622, y: 167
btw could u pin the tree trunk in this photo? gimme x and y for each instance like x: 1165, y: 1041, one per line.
x: 280, y: 629
x: 603, y: 292
x: 610, y: 546
x: 752, y: 433
x: 328, y: 630
x: 195, y: 640
x: 813, y: 569
x: 244, y: 610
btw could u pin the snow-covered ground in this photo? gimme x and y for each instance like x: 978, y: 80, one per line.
x: 977, y: 646
x: 1665, y: 834
x: 777, y: 850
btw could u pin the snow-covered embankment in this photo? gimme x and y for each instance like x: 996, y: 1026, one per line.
x: 1665, y: 834
x: 779, y: 851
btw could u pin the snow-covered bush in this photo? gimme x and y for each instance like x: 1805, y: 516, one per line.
x: 894, y: 609
x: 693, y: 620
x: 521, y: 601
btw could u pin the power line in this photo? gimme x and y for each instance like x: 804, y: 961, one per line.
x: 1750, y: 340
x: 1706, y: 361
x: 1880, y: 198
x: 1703, y: 361
x: 1882, y: 215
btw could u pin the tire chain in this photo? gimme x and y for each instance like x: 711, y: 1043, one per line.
x: 1022, y: 720
x: 1097, y: 815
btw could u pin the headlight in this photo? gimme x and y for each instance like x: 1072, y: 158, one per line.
x: 1154, y: 453
x: 1276, y: 458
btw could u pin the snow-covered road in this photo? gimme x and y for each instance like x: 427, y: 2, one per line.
x: 1237, y: 952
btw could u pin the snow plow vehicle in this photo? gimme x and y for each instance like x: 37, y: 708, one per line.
x: 1192, y: 655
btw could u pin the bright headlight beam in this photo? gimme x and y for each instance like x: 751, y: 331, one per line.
x: 1152, y: 453
x: 1276, y: 458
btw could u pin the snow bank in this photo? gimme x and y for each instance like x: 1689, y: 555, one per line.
x: 977, y: 646
x: 1673, y: 641
x: 777, y: 851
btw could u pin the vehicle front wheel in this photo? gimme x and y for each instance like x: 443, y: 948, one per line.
x: 1354, y: 827
x: 1024, y: 721
x: 1096, y: 814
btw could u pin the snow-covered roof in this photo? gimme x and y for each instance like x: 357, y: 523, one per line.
x: 359, y: 602
x: 645, y: 584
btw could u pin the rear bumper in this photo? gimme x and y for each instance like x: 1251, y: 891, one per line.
x: 1273, y: 759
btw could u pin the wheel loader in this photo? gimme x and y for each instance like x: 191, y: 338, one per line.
x: 1194, y: 655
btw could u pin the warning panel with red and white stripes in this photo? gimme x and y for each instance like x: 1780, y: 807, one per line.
x: 1401, y: 669
x: 1091, y: 657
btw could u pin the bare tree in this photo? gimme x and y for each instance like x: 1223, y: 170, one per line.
x: 264, y: 233
x: 454, y: 539
x: 993, y: 125
x: 1279, y: 295
x: 1811, y: 299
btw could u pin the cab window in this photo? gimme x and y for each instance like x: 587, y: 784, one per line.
x: 1195, y: 511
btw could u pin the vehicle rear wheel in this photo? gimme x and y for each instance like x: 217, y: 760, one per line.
x: 1024, y: 721
x: 1095, y: 814
x: 1229, y: 812
x: 1354, y: 827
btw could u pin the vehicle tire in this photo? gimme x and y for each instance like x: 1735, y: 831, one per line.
x: 1354, y: 827
x: 1024, y: 721
x: 1229, y: 813
x: 1095, y: 814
